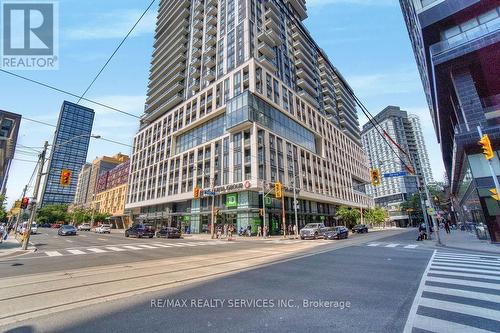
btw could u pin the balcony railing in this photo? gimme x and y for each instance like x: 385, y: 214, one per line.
x: 466, y: 36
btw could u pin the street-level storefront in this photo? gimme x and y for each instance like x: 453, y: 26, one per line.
x: 473, y: 203
x: 242, y: 209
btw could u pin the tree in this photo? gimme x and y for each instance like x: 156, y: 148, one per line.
x: 350, y: 216
x: 53, y: 214
x: 80, y: 215
x: 375, y: 215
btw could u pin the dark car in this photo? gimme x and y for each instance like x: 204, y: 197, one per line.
x: 360, y: 228
x: 140, y: 230
x: 45, y: 225
x: 66, y: 230
x: 337, y: 233
x: 169, y: 232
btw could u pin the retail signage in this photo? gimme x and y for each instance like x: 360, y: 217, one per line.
x: 232, y: 200
x: 226, y: 188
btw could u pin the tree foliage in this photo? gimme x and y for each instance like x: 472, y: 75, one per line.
x: 85, y: 215
x: 53, y: 214
x: 350, y: 216
x: 376, y: 216
x: 3, y: 212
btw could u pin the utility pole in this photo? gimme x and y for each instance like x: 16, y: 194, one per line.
x: 213, y: 208
x: 35, y: 195
x: 264, y: 207
x: 295, y: 206
x: 283, y: 213
x: 20, y: 209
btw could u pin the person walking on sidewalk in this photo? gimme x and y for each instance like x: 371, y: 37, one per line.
x: 447, y: 226
x: 259, y: 231
x: 230, y: 230
x: 3, y: 232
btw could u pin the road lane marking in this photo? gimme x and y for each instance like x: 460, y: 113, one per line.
x: 178, y: 245
x: 76, y: 252
x: 410, y: 246
x: 102, y: 238
x: 465, y: 270
x: 374, y: 244
x: 391, y: 245
x: 131, y: 247
x: 463, y: 293
x: 147, y: 246
x: 458, y: 282
x: 480, y: 276
x: 161, y: 245
x: 82, y: 235
x: 438, y: 325
x: 96, y: 250
x: 190, y: 244
x: 470, y: 268
x: 469, y: 261
x: 460, y: 308
x: 69, y: 241
x: 53, y: 253
x: 113, y: 248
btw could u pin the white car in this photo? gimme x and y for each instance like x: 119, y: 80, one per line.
x: 84, y: 227
x: 103, y: 228
x: 34, y: 228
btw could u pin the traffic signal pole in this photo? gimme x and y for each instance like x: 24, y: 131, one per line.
x: 20, y: 209
x: 490, y: 164
x: 26, y: 239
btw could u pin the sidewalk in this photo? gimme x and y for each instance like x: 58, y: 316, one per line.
x: 12, y: 247
x: 465, y: 240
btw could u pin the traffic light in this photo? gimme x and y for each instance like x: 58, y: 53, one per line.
x: 494, y: 194
x: 486, y: 145
x: 278, y: 190
x: 25, y: 202
x: 65, y: 177
x: 196, y: 192
x: 375, y: 174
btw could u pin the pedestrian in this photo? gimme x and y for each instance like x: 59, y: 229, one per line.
x: 259, y: 231
x: 447, y: 226
x: 249, y: 231
x: 225, y: 230
x: 294, y: 230
x: 266, y: 228
x: 219, y: 232
x: 230, y: 230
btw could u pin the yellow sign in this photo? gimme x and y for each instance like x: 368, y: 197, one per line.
x: 494, y: 194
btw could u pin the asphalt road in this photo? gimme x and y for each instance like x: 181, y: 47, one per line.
x: 369, y: 287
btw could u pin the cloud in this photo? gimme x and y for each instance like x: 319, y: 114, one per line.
x: 403, y: 81
x: 318, y: 3
x: 113, y: 25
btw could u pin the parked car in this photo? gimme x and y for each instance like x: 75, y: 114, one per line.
x: 140, y: 230
x: 312, y: 230
x: 169, y: 232
x: 336, y: 233
x: 103, y: 229
x: 66, y: 230
x: 45, y: 225
x: 360, y: 228
x: 84, y: 227
x: 55, y: 225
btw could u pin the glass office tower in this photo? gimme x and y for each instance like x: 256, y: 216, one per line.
x: 68, y: 151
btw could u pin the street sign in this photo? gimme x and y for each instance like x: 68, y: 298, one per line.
x: 430, y: 211
x: 395, y: 174
x: 211, y: 193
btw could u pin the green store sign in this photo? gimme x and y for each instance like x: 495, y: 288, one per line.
x: 186, y: 218
x: 232, y: 200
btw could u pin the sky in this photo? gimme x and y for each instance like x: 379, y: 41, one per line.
x: 365, y: 39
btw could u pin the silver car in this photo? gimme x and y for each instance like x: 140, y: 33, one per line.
x: 312, y: 231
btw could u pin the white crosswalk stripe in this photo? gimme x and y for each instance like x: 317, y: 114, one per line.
x: 457, y: 295
x: 76, y: 252
x: 122, y: 248
x: 53, y: 253
x: 374, y: 244
x: 410, y: 246
x: 391, y: 245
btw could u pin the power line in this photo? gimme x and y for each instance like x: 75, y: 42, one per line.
x: 37, y: 121
x: 119, y: 143
x: 115, y: 51
x: 68, y: 93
